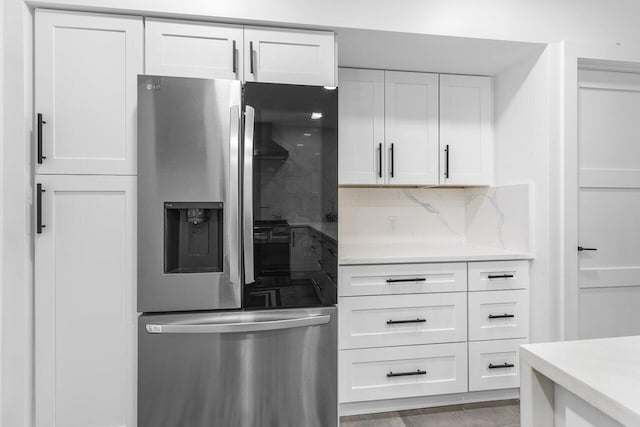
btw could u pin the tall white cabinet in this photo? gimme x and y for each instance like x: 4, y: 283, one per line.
x: 85, y: 242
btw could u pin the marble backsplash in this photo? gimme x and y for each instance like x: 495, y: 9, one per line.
x: 496, y: 217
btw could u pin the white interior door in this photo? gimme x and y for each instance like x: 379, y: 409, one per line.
x: 361, y: 127
x: 85, y: 302
x: 193, y: 49
x: 411, y: 128
x: 86, y: 68
x: 609, y: 204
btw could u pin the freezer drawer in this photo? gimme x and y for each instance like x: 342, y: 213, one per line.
x: 275, y: 368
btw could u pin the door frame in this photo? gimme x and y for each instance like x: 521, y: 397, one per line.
x: 604, y: 56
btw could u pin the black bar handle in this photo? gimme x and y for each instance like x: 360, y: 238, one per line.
x: 501, y: 316
x: 580, y: 249
x: 251, y: 57
x: 392, y: 160
x: 405, y: 374
x: 415, y: 279
x: 233, y: 57
x: 380, y: 160
x: 446, y: 161
x: 39, y: 137
x: 500, y: 276
x: 39, y: 224
x: 504, y: 365
x: 394, y: 322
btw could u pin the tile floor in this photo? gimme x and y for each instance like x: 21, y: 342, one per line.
x: 504, y: 413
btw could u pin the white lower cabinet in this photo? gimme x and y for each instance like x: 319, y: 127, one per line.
x: 494, y: 364
x: 85, y: 301
x: 396, y: 372
x: 498, y: 315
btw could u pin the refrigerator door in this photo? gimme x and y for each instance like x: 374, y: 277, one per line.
x: 188, y: 194
x: 274, y: 368
x: 290, y: 190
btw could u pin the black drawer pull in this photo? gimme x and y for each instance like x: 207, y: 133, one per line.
x: 501, y: 316
x: 580, y: 249
x: 501, y: 276
x: 393, y: 322
x: 504, y: 365
x: 39, y: 139
x: 406, y: 374
x: 39, y: 224
x: 417, y: 279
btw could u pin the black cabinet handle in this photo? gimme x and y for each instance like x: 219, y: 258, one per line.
x: 415, y: 279
x: 39, y: 224
x: 405, y: 374
x: 500, y: 276
x: 233, y: 57
x: 394, y: 322
x: 446, y: 161
x: 39, y: 138
x: 251, y: 57
x: 392, y: 160
x: 580, y: 249
x: 504, y: 365
x: 501, y: 316
x: 380, y: 160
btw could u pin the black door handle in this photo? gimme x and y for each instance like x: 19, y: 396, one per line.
x: 380, y: 160
x: 251, y: 57
x: 392, y: 160
x: 233, y: 57
x: 501, y: 316
x: 415, y: 279
x: 404, y: 374
x: 393, y: 322
x: 39, y: 138
x: 500, y: 276
x: 39, y: 224
x: 446, y: 161
x: 580, y: 249
x: 504, y: 365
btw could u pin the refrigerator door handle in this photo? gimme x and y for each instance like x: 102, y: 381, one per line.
x: 247, y: 194
x: 234, y: 190
x: 223, y: 328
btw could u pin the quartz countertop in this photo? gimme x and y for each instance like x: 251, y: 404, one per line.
x: 603, y: 372
x: 405, y: 253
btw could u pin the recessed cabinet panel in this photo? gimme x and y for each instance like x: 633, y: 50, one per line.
x: 361, y: 127
x: 494, y: 364
x: 498, y: 315
x: 86, y: 66
x: 193, y: 49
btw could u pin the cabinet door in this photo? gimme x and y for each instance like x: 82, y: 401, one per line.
x: 361, y: 129
x: 466, y: 135
x: 411, y: 128
x: 300, y: 57
x: 85, y: 302
x: 193, y: 49
x: 86, y: 68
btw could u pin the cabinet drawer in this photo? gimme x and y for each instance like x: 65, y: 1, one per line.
x: 498, y: 315
x: 397, y: 372
x: 494, y: 364
x: 378, y: 321
x: 499, y: 275
x: 402, y: 279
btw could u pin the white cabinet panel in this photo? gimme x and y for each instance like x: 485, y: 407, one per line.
x: 411, y: 128
x: 361, y: 129
x: 494, y: 364
x: 274, y: 55
x: 608, y: 312
x: 85, y: 302
x: 402, y: 279
x: 381, y: 320
x: 498, y: 315
x: 466, y: 135
x: 369, y: 375
x: 193, y: 49
x: 86, y: 68
x: 498, y: 275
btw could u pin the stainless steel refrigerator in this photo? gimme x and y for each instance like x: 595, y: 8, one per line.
x: 236, y: 330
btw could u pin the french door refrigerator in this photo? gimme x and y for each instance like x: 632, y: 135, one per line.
x: 236, y: 330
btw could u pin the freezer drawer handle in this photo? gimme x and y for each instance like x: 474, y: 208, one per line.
x: 393, y: 322
x: 406, y: 374
x: 504, y: 365
x: 501, y: 316
x: 224, y: 328
x: 416, y: 279
x: 500, y: 276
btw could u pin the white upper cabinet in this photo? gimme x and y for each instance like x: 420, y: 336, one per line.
x: 86, y: 68
x: 466, y: 134
x: 361, y: 127
x: 193, y: 49
x: 275, y: 55
x: 411, y: 128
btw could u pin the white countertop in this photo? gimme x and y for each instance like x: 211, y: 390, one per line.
x: 405, y: 253
x: 603, y: 372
